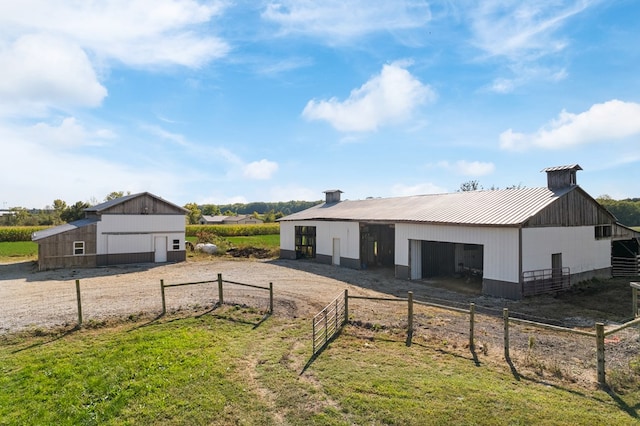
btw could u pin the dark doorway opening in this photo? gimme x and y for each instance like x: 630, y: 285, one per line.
x: 377, y: 245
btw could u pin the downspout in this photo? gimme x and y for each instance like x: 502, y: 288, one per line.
x: 520, y: 279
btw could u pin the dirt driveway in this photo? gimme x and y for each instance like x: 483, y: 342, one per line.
x: 29, y: 298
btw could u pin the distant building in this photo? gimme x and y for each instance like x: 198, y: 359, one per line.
x: 242, y: 219
x: 519, y: 241
x: 136, y: 228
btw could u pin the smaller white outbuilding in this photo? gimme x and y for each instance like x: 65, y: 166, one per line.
x: 138, y: 228
x: 520, y: 241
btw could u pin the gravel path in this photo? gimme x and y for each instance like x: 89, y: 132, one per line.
x: 31, y: 299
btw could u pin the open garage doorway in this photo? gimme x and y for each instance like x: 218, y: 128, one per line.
x: 460, y: 265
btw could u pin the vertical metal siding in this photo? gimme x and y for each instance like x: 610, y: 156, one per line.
x: 141, y: 229
x: 500, y: 245
x: 581, y: 251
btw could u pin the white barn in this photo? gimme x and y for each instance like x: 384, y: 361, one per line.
x: 520, y: 241
x: 138, y: 228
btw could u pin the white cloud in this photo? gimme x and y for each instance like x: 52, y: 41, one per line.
x: 70, y: 133
x: 339, y: 21
x: 602, y: 123
x: 468, y: 168
x: 40, y: 72
x: 135, y: 32
x: 400, y: 190
x: 260, y: 170
x: 390, y: 97
x: 46, y: 172
x: 527, y: 34
x: 518, y: 29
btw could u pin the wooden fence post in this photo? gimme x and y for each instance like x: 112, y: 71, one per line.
x: 346, y: 306
x: 472, y: 312
x: 410, y: 318
x: 164, y: 303
x: 505, y: 316
x: 600, y: 353
x: 79, y: 300
x: 220, y: 294
x: 271, y: 298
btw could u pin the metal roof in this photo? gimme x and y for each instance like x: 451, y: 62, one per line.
x: 507, y: 207
x: 108, y: 204
x: 62, y: 228
x: 559, y: 168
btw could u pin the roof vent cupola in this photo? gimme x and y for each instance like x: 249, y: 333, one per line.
x: 332, y: 195
x: 561, y: 176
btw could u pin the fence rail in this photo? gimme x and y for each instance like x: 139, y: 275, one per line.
x: 220, y: 282
x: 543, y: 281
x: 625, y: 266
x: 328, y: 322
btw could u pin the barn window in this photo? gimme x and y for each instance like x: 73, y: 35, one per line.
x: 602, y: 231
x: 305, y: 241
x: 176, y: 244
x: 78, y: 248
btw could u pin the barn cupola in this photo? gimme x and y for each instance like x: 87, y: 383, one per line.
x: 332, y: 195
x: 561, y: 176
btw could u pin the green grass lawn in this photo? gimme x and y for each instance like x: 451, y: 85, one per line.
x: 21, y: 250
x: 228, y: 367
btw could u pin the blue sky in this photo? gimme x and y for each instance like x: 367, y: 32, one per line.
x: 217, y: 102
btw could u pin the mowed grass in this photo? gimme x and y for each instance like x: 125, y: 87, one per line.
x: 230, y: 366
x: 19, y: 250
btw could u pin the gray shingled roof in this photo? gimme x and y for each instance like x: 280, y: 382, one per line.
x: 62, y: 228
x: 507, y: 207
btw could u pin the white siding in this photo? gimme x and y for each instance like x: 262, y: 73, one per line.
x: 135, y: 233
x: 347, y: 232
x: 500, y: 245
x: 580, y: 250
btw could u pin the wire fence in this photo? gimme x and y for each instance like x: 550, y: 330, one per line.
x: 544, y: 349
x: 76, y: 303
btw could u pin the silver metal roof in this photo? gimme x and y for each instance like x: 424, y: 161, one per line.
x: 62, y: 228
x: 507, y: 207
x: 559, y: 168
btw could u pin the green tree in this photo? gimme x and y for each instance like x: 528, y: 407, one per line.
x: 74, y: 212
x: 471, y: 185
x: 210, y: 210
x: 116, y: 194
x: 193, y: 216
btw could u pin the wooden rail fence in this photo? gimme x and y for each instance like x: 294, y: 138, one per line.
x: 220, y: 283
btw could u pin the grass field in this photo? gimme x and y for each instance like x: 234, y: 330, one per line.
x: 20, y: 250
x: 230, y: 367
x: 28, y: 250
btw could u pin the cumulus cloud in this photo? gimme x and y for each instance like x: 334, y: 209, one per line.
x: 339, y: 21
x: 605, y: 122
x: 468, y: 168
x: 40, y: 71
x: 260, y: 170
x: 134, y: 32
x: 390, y: 97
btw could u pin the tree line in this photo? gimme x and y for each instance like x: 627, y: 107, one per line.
x: 627, y: 211
x: 60, y: 212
